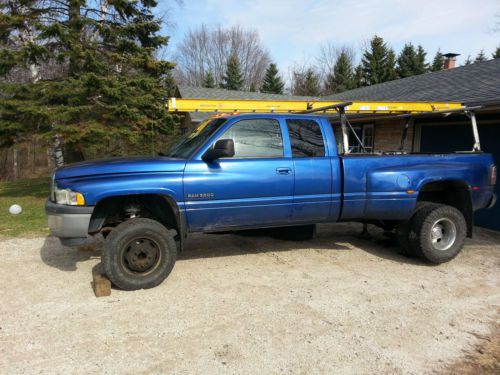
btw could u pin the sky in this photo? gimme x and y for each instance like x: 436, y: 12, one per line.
x: 294, y: 30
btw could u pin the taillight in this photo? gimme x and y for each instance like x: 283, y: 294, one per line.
x: 493, y: 174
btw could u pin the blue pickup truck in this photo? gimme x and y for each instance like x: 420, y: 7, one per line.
x: 262, y: 171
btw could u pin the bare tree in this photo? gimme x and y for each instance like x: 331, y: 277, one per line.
x: 206, y: 50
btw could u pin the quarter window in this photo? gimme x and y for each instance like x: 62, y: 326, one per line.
x: 256, y: 138
x: 306, y: 138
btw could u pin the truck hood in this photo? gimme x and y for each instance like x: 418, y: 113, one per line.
x: 136, y: 164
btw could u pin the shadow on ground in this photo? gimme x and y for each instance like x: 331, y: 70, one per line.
x: 335, y: 238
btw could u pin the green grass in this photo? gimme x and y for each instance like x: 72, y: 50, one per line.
x: 30, y: 195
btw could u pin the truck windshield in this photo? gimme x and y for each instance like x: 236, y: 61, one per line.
x: 189, y: 143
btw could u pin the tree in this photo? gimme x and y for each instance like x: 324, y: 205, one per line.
x: 208, y: 49
x: 305, y: 82
x: 232, y: 79
x: 272, y: 83
x: 407, y: 61
x: 421, y: 66
x: 437, y: 62
x: 468, y: 60
x: 108, y: 84
x: 208, y: 81
x: 481, y: 56
x: 378, y: 62
x: 359, y: 76
x: 496, y: 54
x: 342, y: 77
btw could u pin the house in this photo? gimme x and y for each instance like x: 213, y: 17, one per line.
x: 477, y: 84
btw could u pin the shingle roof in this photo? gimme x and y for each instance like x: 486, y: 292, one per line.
x: 475, y: 83
x: 205, y: 93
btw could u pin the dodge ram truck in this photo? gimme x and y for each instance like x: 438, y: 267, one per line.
x: 263, y: 171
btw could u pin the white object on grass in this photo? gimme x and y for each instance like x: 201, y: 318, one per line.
x: 15, y: 209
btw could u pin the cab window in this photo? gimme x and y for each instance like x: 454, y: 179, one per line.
x: 256, y: 138
x: 306, y: 138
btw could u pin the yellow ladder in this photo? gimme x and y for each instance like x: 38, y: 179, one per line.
x: 289, y: 106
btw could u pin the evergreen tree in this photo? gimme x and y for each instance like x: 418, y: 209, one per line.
x: 496, y: 54
x: 106, y: 81
x: 342, y: 77
x: 421, y: 66
x: 253, y: 87
x: 272, y: 83
x: 232, y: 80
x: 359, y: 78
x: 378, y: 62
x: 306, y: 83
x: 407, y: 61
x: 468, y: 60
x: 390, y: 67
x: 437, y: 62
x: 481, y: 56
x: 208, y: 81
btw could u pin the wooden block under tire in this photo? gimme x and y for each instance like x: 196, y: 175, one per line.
x: 101, y: 285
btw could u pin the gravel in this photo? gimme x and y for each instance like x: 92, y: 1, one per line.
x: 249, y: 303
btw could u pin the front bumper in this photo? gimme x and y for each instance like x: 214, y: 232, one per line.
x: 69, y: 223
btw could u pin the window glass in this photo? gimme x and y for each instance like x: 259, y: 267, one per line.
x: 365, y: 134
x: 306, y: 138
x: 256, y: 138
x: 189, y: 143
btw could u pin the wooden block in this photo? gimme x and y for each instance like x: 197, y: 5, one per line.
x: 101, y: 285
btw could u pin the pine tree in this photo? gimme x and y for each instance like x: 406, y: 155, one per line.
x: 253, y: 87
x: 359, y: 78
x: 496, y: 54
x: 481, y: 56
x: 208, y: 81
x: 407, y: 61
x: 468, y: 60
x: 342, y: 77
x: 306, y: 83
x: 232, y: 80
x: 106, y: 82
x: 390, y: 67
x: 421, y: 66
x: 272, y: 83
x: 378, y: 62
x: 437, y: 62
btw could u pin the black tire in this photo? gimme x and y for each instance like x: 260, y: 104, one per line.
x: 403, y: 230
x: 139, y: 254
x: 437, y: 233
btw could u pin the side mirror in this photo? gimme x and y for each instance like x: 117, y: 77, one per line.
x: 223, y: 148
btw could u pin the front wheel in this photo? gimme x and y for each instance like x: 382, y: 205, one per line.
x: 139, y: 254
x: 438, y: 233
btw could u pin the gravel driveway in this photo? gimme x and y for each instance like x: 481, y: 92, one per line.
x: 250, y: 304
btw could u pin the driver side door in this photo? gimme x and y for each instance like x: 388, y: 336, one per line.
x: 254, y: 188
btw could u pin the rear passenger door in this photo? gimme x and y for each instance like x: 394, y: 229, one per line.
x: 313, y: 171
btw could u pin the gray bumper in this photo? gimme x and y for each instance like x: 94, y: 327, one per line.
x: 69, y: 223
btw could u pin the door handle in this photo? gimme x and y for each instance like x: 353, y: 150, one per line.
x: 283, y: 170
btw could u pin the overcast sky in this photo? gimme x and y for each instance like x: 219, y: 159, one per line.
x: 293, y: 30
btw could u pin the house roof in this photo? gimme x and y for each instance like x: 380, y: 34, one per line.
x: 478, y: 83
x: 190, y: 92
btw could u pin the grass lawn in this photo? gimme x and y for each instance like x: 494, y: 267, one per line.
x: 30, y: 195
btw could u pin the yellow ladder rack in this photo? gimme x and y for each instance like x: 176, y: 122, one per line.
x: 289, y: 106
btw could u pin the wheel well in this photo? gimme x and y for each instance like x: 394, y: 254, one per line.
x: 111, y: 211
x: 452, y: 193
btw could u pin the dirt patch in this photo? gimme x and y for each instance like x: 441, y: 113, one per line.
x: 251, y: 304
x: 484, y: 358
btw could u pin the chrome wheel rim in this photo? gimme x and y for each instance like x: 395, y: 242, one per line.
x: 443, y: 234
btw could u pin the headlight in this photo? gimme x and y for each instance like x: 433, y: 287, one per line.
x: 67, y: 196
